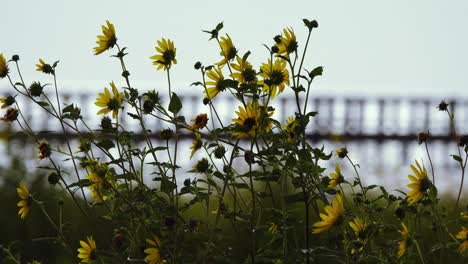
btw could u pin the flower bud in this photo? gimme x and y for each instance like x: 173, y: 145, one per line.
x: 219, y: 152
x: 342, y: 153
x: 167, y: 134
x: 423, y: 137
x: 202, y: 166
x: 36, y: 89
x: 442, y: 106
x: 53, y: 178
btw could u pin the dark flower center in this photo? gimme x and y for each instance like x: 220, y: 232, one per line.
x: 424, y: 185
x: 249, y: 75
x: 292, y: 47
x: 113, y: 104
x: 231, y: 54
x: 250, y: 122
x: 92, y: 255
x: 168, y: 56
x: 276, y: 77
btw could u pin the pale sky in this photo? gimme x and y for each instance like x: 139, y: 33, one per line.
x: 395, y: 47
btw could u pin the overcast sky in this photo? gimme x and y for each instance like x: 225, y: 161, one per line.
x: 366, y: 46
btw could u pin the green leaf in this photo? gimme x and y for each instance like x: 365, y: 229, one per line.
x: 175, y: 105
x: 167, y: 186
x: 134, y: 116
x: 43, y: 104
x: 457, y: 158
x: 106, y: 144
x: 219, y: 26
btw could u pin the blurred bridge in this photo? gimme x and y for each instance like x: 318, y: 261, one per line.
x: 345, y: 119
x: 348, y: 118
x: 381, y: 131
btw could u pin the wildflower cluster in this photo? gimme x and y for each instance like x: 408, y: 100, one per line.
x: 257, y: 190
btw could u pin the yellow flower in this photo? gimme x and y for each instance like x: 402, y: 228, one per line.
x: 110, y: 102
x: 166, y: 54
x: 275, y: 76
x: 154, y: 256
x: 44, y: 67
x: 342, y: 153
x: 243, y: 71
x: 196, y: 144
x: 288, y: 43
x: 106, y: 41
x: 7, y: 101
x: 199, y: 122
x: 403, y: 244
x: 100, y: 177
x: 333, y: 216
x: 228, y: 51
x: 87, y: 252
x: 273, y: 229
x: 463, y: 236
x: 216, y: 84
x: 359, y: 227
x: 26, y: 200
x: 290, y: 128
x: 249, y: 120
x: 3, y: 67
x: 336, y: 177
x: 420, y: 183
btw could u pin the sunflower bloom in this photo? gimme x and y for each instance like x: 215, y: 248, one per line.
x: 25, y: 203
x: 243, y: 71
x: 87, y: 252
x: 199, y: 122
x: 100, y: 177
x: 419, y: 185
x: 249, y: 120
x: 403, y: 243
x: 290, y: 128
x: 110, y: 102
x: 336, y: 178
x: 152, y: 251
x: 166, y: 54
x: 7, y: 101
x: 333, y: 216
x: 342, y: 153
x: 106, y: 41
x: 3, y: 67
x: 44, y: 67
x: 463, y: 236
x: 196, y: 144
x: 216, y: 85
x: 360, y: 228
x: 275, y: 77
x: 287, y: 43
x: 228, y: 51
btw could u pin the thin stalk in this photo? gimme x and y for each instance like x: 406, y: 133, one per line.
x: 430, y: 162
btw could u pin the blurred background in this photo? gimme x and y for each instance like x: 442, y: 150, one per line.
x: 387, y: 65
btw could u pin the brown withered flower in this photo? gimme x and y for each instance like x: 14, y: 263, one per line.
x: 423, y: 137
x: 11, y: 115
x: 44, y: 150
x: 199, y: 122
